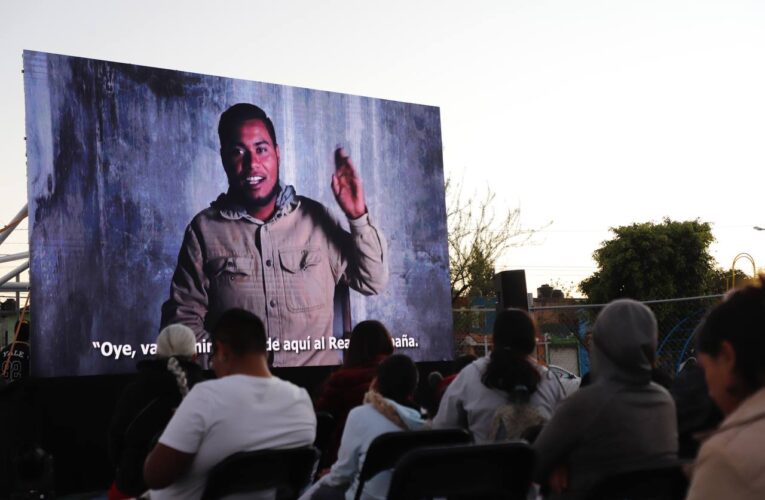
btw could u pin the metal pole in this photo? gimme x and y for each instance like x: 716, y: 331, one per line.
x: 742, y: 255
x: 14, y: 256
x: 14, y: 222
x: 18, y: 297
x: 20, y: 269
x: 22, y: 286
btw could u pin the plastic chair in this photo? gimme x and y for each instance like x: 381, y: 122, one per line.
x: 665, y: 483
x: 289, y: 471
x: 325, y: 426
x: 386, y: 449
x: 502, y: 470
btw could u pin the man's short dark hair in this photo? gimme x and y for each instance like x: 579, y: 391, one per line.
x: 238, y: 114
x: 23, y: 330
x: 397, y: 378
x: 242, y: 331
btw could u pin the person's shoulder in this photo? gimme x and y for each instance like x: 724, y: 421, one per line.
x: 661, y: 396
x: 476, y: 368
x: 309, y: 205
x: 206, y: 216
x: 362, y: 413
x: 212, y: 386
x: 287, y: 389
x: 194, y: 372
x: 469, y: 378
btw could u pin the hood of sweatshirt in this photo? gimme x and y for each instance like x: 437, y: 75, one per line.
x: 624, y: 343
x: 403, y: 416
x: 411, y: 417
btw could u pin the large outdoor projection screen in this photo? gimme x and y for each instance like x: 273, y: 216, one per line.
x: 122, y: 157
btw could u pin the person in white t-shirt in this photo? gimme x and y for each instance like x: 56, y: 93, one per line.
x: 244, y: 409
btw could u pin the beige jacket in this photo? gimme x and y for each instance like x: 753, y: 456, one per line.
x: 284, y: 270
x: 731, y: 463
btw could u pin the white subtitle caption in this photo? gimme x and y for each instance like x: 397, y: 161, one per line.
x: 117, y: 351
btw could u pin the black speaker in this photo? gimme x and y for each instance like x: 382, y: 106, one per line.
x: 511, y: 290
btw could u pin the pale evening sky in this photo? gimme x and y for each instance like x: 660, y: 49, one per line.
x: 589, y: 114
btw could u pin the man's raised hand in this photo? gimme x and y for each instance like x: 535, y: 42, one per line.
x: 346, y: 185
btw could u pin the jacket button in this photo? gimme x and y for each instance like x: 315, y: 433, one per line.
x: 273, y: 303
x: 268, y: 263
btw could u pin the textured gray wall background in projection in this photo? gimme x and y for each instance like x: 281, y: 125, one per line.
x: 120, y: 157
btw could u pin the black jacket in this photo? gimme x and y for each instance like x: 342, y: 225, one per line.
x: 141, y: 414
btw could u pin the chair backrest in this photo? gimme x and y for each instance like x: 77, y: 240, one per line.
x: 501, y: 470
x: 289, y: 471
x: 665, y: 483
x: 325, y: 426
x: 325, y: 429
x: 386, y: 449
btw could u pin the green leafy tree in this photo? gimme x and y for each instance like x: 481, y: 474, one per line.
x: 720, y: 281
x: 648, y: 261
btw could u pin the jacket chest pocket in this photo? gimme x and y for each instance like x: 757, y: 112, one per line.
x: 307, y: 278
x: 231, y: 278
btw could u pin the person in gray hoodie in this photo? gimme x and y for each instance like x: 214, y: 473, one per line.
x: 622, y: 422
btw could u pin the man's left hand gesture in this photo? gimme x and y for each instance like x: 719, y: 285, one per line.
x: 346, y: 185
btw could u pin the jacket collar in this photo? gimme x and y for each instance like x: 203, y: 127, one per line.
x: 286, y: 202
x: 750, y: 410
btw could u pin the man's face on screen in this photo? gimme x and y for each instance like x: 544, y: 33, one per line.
x: 251, y: 162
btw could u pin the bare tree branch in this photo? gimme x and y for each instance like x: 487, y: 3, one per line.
x: 477, y: 238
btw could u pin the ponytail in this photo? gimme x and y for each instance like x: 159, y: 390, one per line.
x: 180, y: 375
x: 513, y: 373
x: 509, y: 368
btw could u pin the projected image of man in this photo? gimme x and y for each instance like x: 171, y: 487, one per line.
x: 264, y: 248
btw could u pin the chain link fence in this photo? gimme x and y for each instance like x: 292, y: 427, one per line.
x: 565, y: 327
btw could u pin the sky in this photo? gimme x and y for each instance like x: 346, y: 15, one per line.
x: 584, y: 114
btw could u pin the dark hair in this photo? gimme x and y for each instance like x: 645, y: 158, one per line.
x: 739, y: 319
x: 462, y: 361
x: 397, y: 378
x: 23, y: 335
x: 241, y: 330
x: 509, y: 370
x: 369, y: 340
x: 238, y: 114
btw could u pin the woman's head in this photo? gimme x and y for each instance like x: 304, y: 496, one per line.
x: 370, y: 340
x: 178, y: 341
x: 515, y: 330
x: 397, y: 378
x: 509, y: 368
x: 731, y: 343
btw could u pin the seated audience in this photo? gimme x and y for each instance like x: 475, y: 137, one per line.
x: 437, y: 383
x: 245, y: 408
x: 14, y: 358
x: 697, y: 414
x: 146, y: 405
x: 387, y: 407
x: 370, y: 343
x: 473, y: 398
x: 622, y: 421
x: 731, y: 346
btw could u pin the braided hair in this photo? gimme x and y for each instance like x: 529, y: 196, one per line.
x: 174, y: 367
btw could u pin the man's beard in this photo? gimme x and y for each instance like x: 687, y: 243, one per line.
x: 262, y: 201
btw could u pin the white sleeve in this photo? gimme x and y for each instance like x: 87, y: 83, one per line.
x: 451, y: 411
x: 549, y: 393
x: 714, y: 476
x: 187, y: 428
